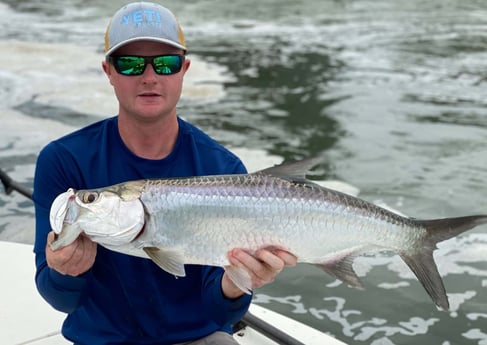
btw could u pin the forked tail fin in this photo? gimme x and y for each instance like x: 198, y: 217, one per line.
x: 422, y: 262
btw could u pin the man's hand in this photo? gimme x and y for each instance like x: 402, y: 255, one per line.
x: 73, y: 260
x: 262, y: 268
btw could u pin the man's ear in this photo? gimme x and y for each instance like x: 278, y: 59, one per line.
x: 187, y: 63
x: 108, y: 70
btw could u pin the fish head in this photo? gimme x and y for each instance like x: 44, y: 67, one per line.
x: 105, y: 216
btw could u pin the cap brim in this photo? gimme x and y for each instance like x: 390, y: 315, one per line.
x: 152, y: 39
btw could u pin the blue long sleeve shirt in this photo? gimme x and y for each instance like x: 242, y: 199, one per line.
x: 127, y: 299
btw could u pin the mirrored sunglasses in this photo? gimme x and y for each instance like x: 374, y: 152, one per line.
x: 131, y: 65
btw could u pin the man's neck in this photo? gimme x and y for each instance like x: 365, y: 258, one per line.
x: 149, y: 139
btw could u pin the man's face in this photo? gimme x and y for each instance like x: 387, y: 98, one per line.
x: 148, y: 96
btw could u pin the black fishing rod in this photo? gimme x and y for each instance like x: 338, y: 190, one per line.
x: 10, y: 185
x: 249, y: 319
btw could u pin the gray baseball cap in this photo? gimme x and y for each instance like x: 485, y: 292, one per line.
x: 143, y: 21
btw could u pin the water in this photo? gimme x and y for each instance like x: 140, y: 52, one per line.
x: 393, y: 92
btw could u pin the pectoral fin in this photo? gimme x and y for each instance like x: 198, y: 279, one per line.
x: 240, y: 278
x: 170, y: 261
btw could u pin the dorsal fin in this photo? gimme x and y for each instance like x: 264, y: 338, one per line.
x: 294, y: 171
x: 297, y: 169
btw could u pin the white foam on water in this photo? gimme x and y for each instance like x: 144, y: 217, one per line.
x: 58, y: 75
x: 71, y: 76
x: 390, y: 286
x: 204, y: 81
x: 457, y: 299
x: 476, y: 334
x: 454, y: 247
x: 23, y: 135
x: 256, y: 160
x: 354, y: 323
x: 382, y: 341
x: 476, y: 316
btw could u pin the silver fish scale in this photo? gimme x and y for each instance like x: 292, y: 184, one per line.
x: 204, y: 217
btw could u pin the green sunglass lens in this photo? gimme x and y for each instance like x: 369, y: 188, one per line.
x: 130, y: 65
x: 168, y: 64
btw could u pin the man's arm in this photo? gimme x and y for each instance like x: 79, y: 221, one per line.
x: 60, y: 276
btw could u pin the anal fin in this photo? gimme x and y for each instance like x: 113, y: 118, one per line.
x: 342, y: 269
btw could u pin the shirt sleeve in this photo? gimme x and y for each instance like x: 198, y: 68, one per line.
x: 62, y: 292
x: 223, y: 311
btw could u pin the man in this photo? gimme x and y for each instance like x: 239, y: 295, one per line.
x: 111, y: 298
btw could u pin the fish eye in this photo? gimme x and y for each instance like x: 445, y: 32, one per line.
x: 89, y: 197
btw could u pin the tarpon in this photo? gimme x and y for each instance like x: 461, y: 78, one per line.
x: 198, y: 220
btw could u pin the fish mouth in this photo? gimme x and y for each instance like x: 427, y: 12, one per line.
x: 61, y: 211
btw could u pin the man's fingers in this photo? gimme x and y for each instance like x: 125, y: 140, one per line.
x: 264, y: 265
x: 240, y: 258
x: 50, y: 237
x: 271, y: 260
x: 288, y: 258
x: 74, y: 259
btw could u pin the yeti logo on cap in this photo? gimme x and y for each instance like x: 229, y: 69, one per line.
x: 142, y: 18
